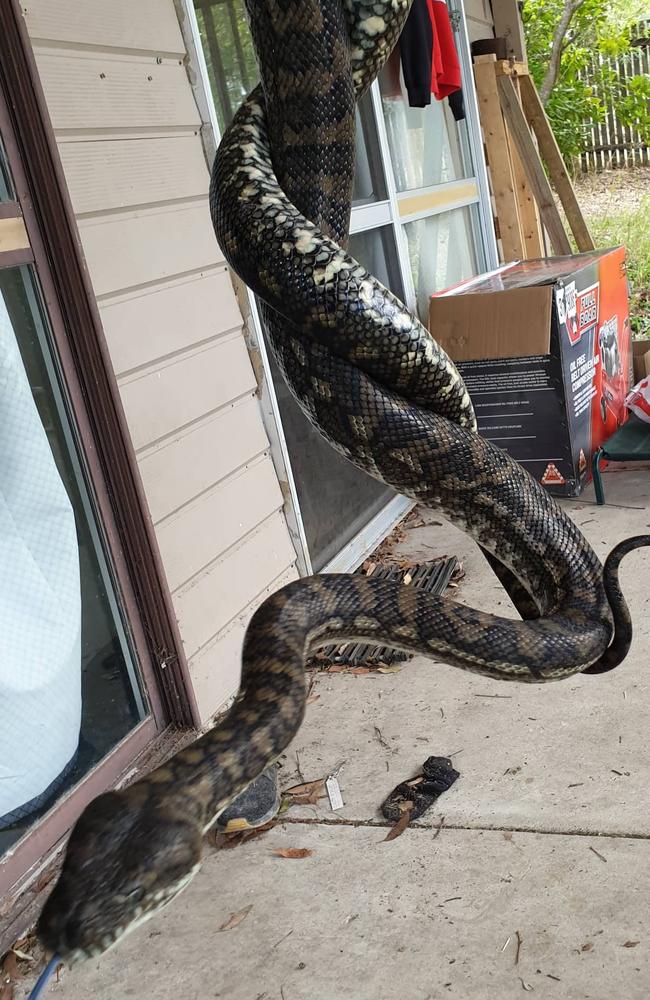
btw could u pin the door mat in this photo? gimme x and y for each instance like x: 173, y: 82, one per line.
x: 433, y: 577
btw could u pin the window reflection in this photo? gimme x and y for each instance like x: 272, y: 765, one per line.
x: 369, y: 180
x: 442, y: 252
x: 69, y: 686
x: 375, y: 249
x: 427, y: 145
x: 6, y: 187
x: 233, y: 72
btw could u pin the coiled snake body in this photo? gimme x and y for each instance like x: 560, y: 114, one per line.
x: 381, y: 390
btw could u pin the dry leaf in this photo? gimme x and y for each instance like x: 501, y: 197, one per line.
x: 631, y: 944
x: 293, y: 852
x: 312, y: 698
x: 407, y: 579
x: 236, y: 918
x: 23, y: 955
x: 588, y: 946
x: 307, y: 788
x: 306, y: 794
x: 44, y: 880
x: 10, y: 966
x: 359, y: 670
x: 226, y: 841
x: 388, y: 670
x: 401, y: 825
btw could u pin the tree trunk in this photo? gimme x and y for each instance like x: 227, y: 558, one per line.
x: 570, y: 7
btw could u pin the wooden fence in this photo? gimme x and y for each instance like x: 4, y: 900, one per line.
x: 610, y: 143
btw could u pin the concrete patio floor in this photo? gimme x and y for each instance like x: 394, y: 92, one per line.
x: 538, y: 881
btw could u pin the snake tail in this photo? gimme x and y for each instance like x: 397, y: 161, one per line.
x: 622, y: 639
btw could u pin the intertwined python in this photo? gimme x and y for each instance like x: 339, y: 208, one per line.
x: 376, y: 384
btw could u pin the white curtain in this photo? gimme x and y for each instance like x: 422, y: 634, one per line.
x: 40, y: 603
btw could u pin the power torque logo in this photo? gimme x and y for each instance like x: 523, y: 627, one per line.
x: 577, y: 311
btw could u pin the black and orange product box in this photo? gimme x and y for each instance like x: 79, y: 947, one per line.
x: 544, y: 349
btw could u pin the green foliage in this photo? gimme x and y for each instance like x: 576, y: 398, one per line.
x: 632, y: 229
x: 229, y: 54
x: 633, y: 106
x: 595, y: 51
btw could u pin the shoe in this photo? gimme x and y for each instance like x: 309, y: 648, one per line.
x: 257, y: 805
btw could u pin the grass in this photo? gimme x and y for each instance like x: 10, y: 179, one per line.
x: 632, y: 228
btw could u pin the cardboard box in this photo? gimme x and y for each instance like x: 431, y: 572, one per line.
x: 641, y: 359
x: 544, y: 348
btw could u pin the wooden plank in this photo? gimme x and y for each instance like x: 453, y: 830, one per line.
x: 185, y: 389
x: 13, y: 235
x: 127, y: 24
x: 512, y: 69
x: 496, y: 144
x: 532, y: 164
x: 107, y: 91
x: 212, y: 600
x: 197, y: 534
x: 216, y: 668
x: 552, y: 156
x: 449, y: 196
x: 124, y: 251
x: 182, y: 313
x: 527, y: 209
x: 120, y: 173
x: 527, y: 206
x: 196, y: 458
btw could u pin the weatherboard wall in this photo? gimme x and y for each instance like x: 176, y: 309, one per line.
x: 127, y: 128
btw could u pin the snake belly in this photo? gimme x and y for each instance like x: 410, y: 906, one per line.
x: 375, y: 383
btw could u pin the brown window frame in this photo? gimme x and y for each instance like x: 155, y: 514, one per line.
x: 54, y: 249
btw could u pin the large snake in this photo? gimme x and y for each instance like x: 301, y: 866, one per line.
x: 376, y: 384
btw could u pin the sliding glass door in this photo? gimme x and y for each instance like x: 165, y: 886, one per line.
x: 420, y: 222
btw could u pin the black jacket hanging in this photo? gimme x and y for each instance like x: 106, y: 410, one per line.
x: 416, y: 51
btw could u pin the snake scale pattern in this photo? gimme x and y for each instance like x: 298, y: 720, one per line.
x: 376, y: 384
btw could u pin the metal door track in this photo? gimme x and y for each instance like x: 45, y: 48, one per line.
x: 432, y: 577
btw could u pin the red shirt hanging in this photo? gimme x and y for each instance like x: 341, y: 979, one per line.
x: 445, y: 77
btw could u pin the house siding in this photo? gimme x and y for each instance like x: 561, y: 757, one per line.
x: 128, y: 132
x: 478, y: 15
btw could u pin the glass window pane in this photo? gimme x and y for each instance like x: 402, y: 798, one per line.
x: 369, y: 180
x: 232, y: 70
x: 69, y: 687
x: 442, y: 251
x: 6, y: 187
x: 336, y: 499
x: 427, y: 145
x: 229, y: 54
x: 376, y: 250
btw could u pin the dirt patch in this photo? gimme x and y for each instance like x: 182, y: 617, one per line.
x: 612, y: 192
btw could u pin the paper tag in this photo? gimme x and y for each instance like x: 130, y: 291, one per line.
x: 334, y: 792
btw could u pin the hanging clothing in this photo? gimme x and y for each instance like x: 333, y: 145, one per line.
x: 445, y: 78
x: 416, y: 52
x: 428, y: 53
x: 457, y: 105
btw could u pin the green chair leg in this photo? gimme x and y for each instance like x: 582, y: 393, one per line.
x: 598, y: 479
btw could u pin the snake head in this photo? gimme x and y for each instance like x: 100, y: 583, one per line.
x: 126, y: 858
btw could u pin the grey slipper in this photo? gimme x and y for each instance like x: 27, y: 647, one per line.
x: 257, y: 805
